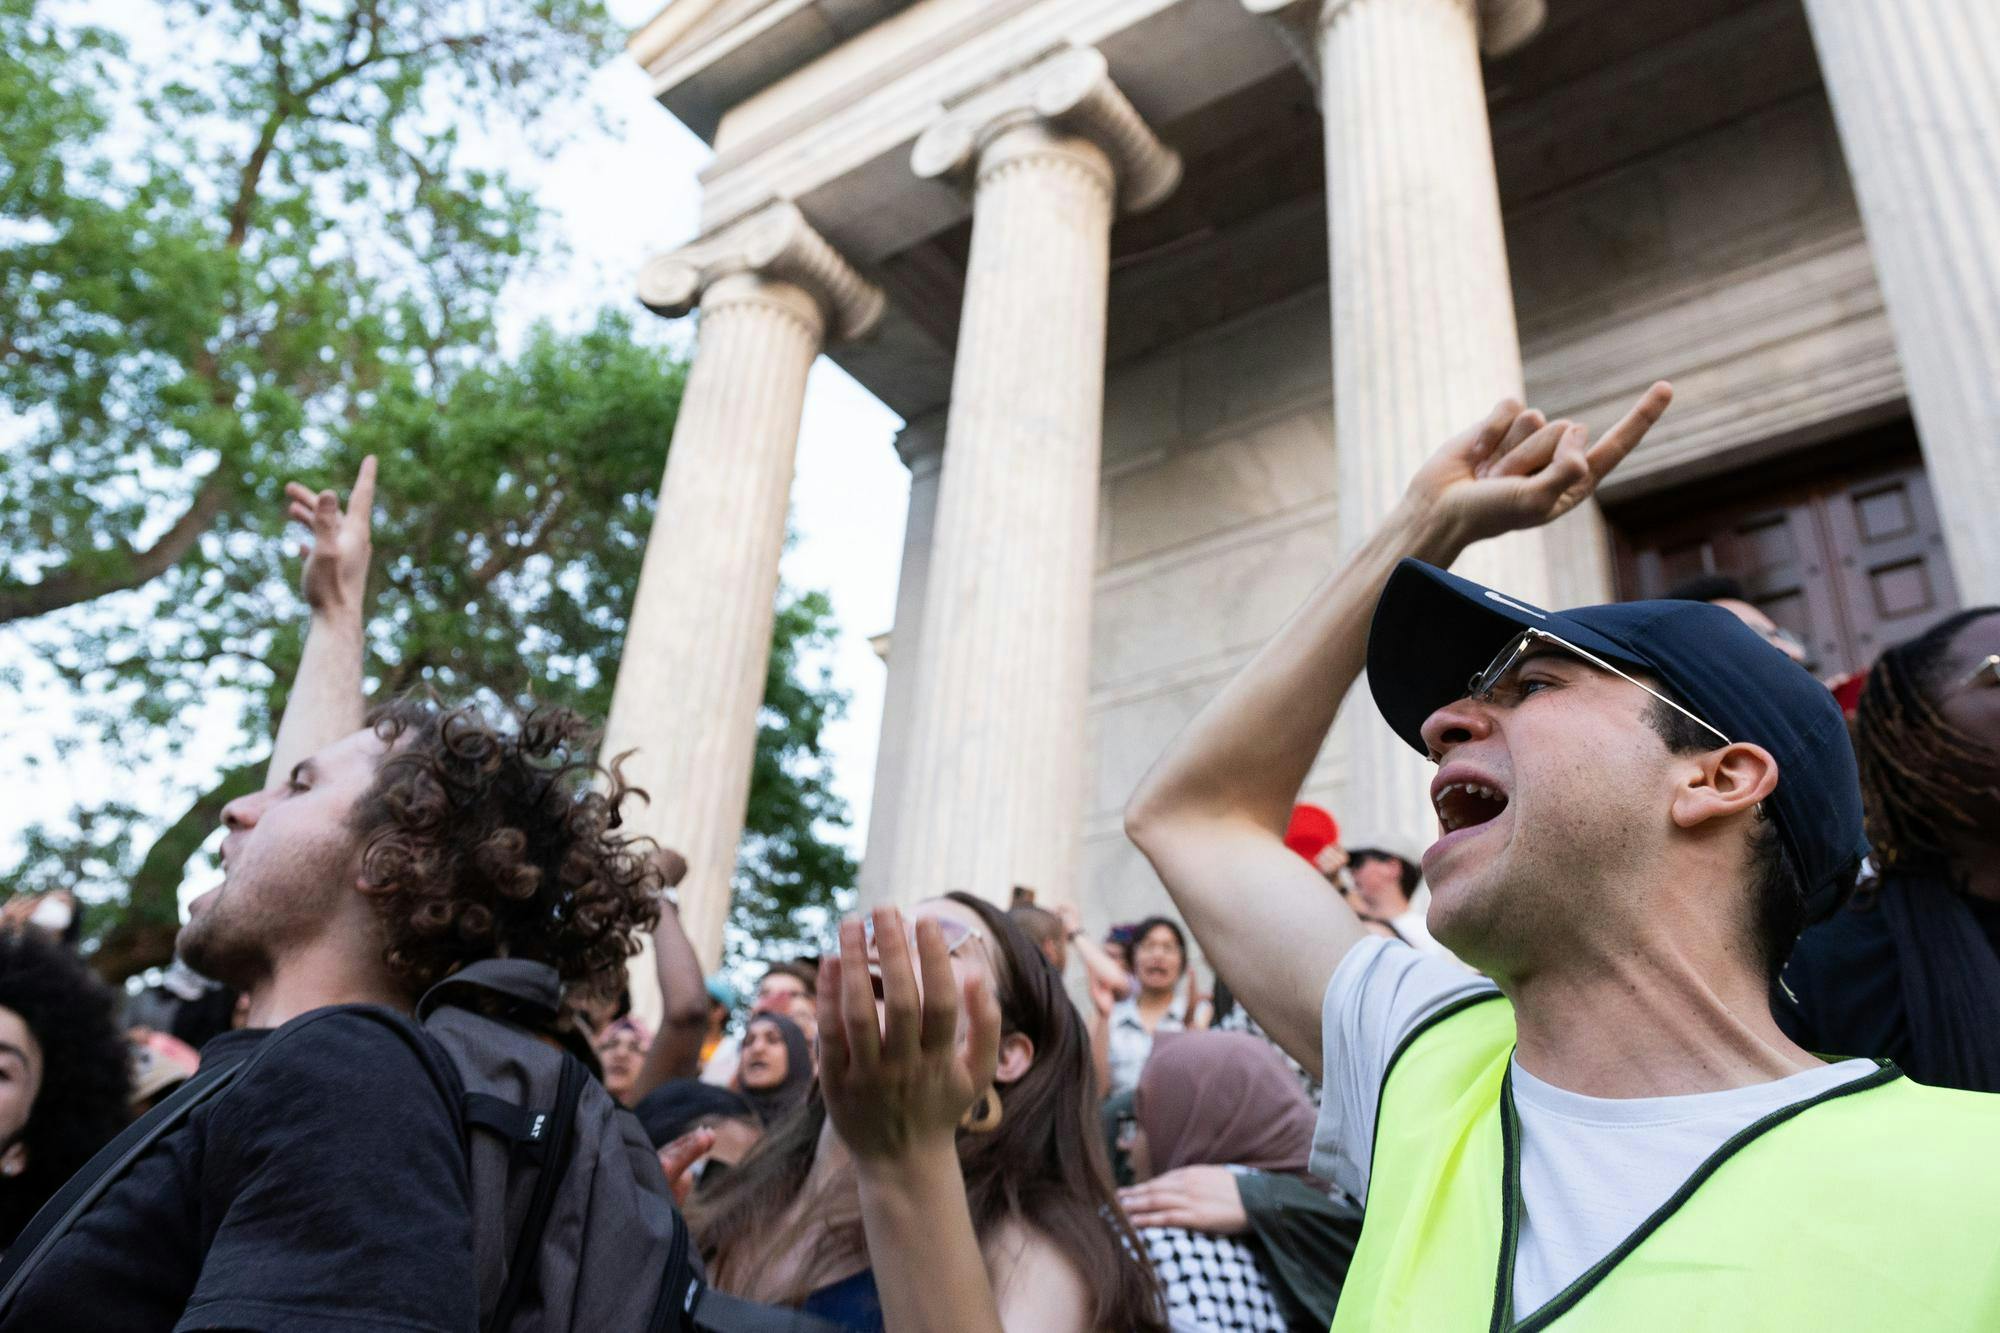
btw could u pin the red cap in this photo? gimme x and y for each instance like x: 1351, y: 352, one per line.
x: 1847, y: 691
x: 1312, y: 831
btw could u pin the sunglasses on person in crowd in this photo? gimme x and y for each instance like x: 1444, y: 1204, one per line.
x: 1483, y: 684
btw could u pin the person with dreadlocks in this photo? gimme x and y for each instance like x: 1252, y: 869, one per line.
x: 1909, y: 969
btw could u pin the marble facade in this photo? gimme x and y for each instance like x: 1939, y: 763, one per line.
x: 1272, y: 275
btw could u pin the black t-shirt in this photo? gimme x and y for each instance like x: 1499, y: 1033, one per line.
x: 1843, y: 986
x: 324, y: 1191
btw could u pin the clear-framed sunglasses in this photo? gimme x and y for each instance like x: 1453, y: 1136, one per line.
x: 954, y: 932
x: 1483, y: 684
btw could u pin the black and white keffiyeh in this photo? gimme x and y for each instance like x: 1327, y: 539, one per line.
x: 1212, y: 1283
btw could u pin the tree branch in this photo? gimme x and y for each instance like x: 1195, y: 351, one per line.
x: 67, y: 586
x: 253, y: 170
x: 149, y: 919
x: 505, y: 557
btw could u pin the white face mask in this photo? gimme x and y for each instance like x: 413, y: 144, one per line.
x: 53, y: 914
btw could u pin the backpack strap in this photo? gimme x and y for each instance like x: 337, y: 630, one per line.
x: 87, y: 1186
x: 526, y: 1128
x: 552, y: 1160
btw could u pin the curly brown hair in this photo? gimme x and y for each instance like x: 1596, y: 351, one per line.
x: 483, y: 841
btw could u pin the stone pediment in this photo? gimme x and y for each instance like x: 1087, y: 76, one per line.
x: 707, y: 55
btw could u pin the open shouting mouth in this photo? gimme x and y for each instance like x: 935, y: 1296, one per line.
x: 1465, y: 804
x: 1466, y: 801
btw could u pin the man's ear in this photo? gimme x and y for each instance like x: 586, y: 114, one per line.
x: 1725, y: 782
x: 1017, y: 1057
x: 15, y: 1160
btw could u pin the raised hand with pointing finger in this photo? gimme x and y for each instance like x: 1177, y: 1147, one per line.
x: 336, y: 574
x: 325, y: 701
x: 1517, y: 469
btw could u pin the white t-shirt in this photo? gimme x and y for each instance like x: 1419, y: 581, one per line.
x: 1131, y: 1045
x: 1592, y: 1168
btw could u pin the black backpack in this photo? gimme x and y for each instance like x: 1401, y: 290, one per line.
x: 573, y: 1226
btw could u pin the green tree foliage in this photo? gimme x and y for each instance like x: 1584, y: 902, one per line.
x: 261, y: 270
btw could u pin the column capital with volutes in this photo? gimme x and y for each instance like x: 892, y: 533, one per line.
x: 1069, y: 93
x: 777, y: 245
x: 1505, y: 26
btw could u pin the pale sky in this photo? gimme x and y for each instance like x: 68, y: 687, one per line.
x: 633, y: 193
x: 621, y: 190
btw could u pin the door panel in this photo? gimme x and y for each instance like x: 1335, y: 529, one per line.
x: 1848, y: 556
x: 1891, y: 564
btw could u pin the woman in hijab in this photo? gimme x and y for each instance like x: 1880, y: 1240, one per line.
x: 776, y: 1069
x: 1241, y: 1236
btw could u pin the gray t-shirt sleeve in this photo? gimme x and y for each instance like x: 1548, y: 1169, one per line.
x: 1381, y: 992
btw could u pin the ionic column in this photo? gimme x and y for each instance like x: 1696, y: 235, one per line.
x: 1424, y: 340
x: 691, y: 678
x: 921, y: 445
x: 1915, y: 88
x: 992, y: 784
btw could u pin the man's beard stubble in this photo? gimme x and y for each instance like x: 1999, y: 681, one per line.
x: 223, y: 949
x: 252, y: 921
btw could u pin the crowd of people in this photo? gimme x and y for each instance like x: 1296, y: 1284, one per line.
x: 1689, y: 1015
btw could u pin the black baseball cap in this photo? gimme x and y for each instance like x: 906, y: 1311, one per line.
x: 1433, y: 631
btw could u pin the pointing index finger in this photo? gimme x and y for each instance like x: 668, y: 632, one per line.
x: 361, y: 501
x: 1623, y: 438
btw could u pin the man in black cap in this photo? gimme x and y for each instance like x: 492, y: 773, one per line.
x: 1635, y: 804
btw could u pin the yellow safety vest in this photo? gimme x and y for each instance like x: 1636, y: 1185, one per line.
x: 1872, y: 1206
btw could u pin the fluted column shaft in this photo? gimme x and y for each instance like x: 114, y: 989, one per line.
x: 1424, y: 338
x: 992, y: 789
x: 991, y: 784
x: 921, y: 445
x: 1915, y: 88
x: 697, y: 647
x: 699, y: 641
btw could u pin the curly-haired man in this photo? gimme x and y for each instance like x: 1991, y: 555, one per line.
x: 327, y: 1186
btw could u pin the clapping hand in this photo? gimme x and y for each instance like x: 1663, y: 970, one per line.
x: 1518, y: 470
x: 898, y: 1085
x: 336, y: 558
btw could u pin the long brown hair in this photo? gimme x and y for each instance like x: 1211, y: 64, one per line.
x: 1045, y: 1165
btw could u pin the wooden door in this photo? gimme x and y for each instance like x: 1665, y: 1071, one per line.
x: 1848, y: 557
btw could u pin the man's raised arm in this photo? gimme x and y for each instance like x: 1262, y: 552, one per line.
x: 325, y: 702
x: 1211, y: 814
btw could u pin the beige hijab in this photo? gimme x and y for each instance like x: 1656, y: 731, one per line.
x: 1223, y: 1099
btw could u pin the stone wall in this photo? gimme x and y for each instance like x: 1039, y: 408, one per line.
x: 1218, y: 517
